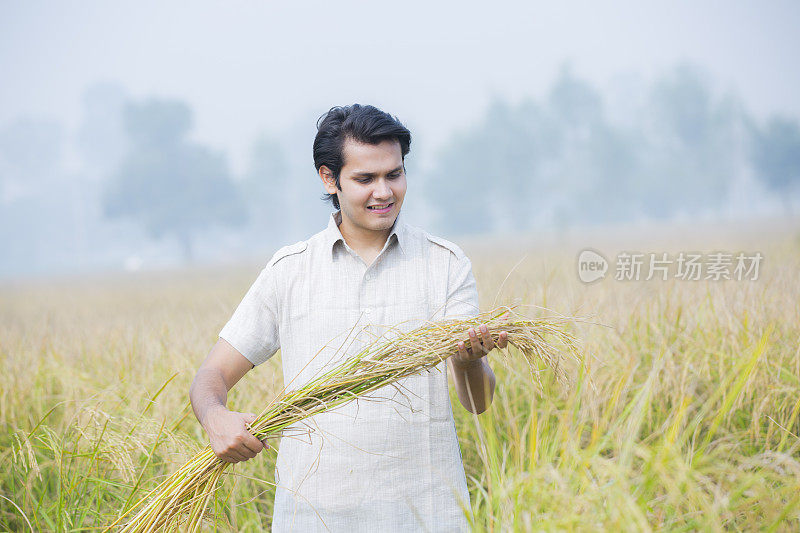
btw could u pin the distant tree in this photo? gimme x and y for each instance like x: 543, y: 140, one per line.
x: 456, y: 188
x: 776, y: 157
x: 597, y: 166
x: 170, y: 185
x: 576, y: 104
x: 557, y: 163
x: 494, y: 164
x: 565, y: 161
x: 691, y: 144
x: 265, y: 186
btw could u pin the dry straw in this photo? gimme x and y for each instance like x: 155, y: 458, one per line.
x: 181, y: 500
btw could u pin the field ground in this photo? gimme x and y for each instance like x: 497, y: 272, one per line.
x: 686, y: 417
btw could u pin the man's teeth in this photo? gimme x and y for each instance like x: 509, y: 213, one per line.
x: 379, y: 206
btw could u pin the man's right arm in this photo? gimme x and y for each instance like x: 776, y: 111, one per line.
x: 227, y: 430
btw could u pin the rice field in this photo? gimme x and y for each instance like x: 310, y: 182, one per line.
x: 686, y: 417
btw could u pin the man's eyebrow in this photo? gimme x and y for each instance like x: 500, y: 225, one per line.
x: 373, y: 174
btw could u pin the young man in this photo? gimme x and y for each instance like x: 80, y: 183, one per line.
x: 389, y: 462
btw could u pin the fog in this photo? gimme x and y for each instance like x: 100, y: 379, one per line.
x: 147, y: 135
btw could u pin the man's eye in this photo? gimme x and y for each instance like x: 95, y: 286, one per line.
x: 395, y: 175
x: 364, y: 180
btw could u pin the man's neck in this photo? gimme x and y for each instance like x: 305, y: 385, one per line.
x: 367, y: 244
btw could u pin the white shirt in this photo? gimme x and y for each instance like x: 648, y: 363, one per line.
x: 387, y: 463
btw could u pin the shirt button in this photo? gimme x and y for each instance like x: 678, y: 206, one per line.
x: 369, y: 277
x: 366, y: 311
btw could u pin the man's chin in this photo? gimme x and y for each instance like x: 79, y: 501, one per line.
x: 382, y: 225
x: 383, y: 220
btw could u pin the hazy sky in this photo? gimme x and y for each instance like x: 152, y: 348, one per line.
x: 252, y: 66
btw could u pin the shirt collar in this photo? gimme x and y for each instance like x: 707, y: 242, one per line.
x: 334, y: 235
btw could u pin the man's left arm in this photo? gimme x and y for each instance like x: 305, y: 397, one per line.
x: 472, y: 375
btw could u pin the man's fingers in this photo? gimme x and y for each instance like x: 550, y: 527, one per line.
x: 488, y: 341
x: 252, y: 443
x: 477, y: 349
x: 462, y: 349
x: 248, y: 453
x: 502, y: 342
x: 235, y: 456
x: 249, y: 441
x: 463, y: 354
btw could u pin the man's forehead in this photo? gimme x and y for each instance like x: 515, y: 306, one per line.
x: 363, y: 157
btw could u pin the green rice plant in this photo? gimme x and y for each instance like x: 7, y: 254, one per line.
x: 182, y: 499
x: 715, y: 429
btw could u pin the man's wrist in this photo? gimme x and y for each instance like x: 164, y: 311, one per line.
x: 210, y: 412
x: 468, y: 365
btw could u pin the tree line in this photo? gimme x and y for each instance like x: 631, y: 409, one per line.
x: 673, y: 147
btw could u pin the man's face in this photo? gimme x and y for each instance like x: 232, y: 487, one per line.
x: 373, y: 184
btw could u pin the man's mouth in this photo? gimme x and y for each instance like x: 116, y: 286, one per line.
x: 380, y: 208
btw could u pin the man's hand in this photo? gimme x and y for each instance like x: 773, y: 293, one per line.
x: 230, y: 437
x: 227, y: 430
x: 472, y: 375
x: 479, y: 346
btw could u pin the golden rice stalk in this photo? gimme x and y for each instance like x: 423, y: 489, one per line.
x: 181, y: 500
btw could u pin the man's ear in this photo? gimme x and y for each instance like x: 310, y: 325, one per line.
x: 328, y: 181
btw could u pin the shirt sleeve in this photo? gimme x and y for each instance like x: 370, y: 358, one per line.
x: 253, y: 328
x: 462, y: 292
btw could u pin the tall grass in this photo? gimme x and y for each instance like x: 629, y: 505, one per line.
x: 180, y: 501
x: 692, y: 423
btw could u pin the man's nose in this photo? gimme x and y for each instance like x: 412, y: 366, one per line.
x: 382, y: 189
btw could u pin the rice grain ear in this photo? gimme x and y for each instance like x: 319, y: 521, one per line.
x: 181, y: 500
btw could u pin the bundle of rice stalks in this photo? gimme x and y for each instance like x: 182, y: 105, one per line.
x: 181, y: 500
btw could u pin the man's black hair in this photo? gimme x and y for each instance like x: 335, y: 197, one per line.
x: 363, y: 123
